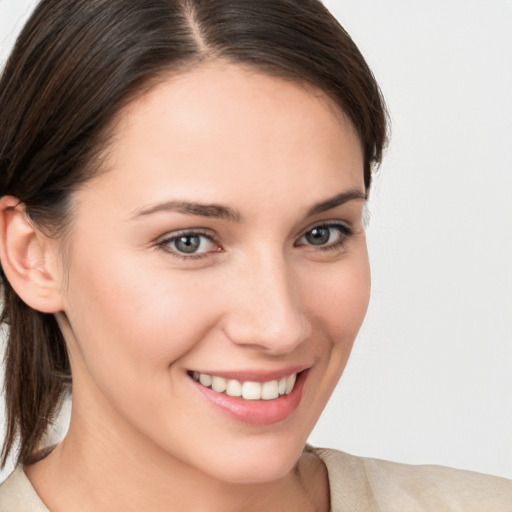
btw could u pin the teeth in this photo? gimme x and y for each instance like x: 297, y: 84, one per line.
x: 247, y: 390
x: 218, y: 384
x: 251, y: 390
x: 282, y: 386
x: 270, y: 390
x: 234, y: 388
x: 290, y: 382
x: 205, y: 380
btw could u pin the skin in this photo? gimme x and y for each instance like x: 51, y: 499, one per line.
x: 137, y: 317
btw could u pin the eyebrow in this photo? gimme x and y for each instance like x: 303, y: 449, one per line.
x: 337, y: 200
x: 191, y: 208
x: 225, y: 212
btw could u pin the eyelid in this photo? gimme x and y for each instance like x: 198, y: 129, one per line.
x: 164, y: 242
x: 345, y: 225
x: 186, y: 231
x: 345, y: 228
x: 346, y: 231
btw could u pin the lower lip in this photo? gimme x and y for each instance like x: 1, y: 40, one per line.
x: 256, y: 412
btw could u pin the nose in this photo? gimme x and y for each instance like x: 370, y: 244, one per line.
x: 265, y: 309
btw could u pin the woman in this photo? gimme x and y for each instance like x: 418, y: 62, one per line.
x: 182, y: 187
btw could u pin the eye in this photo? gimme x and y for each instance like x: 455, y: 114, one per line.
x: 326, y: 236
x: 189, y: 244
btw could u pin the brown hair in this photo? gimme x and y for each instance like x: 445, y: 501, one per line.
x: 74, y: 66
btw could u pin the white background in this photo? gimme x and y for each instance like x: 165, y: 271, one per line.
x: 430, y: 378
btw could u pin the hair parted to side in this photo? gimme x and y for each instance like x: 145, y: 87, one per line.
x: 74, y: 66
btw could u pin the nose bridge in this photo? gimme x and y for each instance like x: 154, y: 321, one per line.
x: 269, y: 311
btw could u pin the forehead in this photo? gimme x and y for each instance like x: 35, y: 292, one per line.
x: 221, y: 128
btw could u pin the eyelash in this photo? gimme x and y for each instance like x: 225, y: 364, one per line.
x: 345, y: 232
x: 164, y: 244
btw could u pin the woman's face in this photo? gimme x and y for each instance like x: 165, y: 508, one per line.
x: 224, y: 245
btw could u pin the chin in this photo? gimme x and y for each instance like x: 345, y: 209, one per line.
x: 257, y: 471
x: 258, y: 460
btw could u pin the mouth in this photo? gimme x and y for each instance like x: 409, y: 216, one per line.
x: 247, y: 390
x: 253, y: 399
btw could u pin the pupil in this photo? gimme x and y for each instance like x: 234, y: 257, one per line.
x: 187, y: 244
x: 318, y: 236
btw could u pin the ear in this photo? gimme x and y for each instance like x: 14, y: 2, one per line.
x: 29, y: 258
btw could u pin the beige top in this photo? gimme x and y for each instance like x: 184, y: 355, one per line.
x: 357, y: 485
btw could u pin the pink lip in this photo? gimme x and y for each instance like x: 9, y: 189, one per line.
x: 255, y: 412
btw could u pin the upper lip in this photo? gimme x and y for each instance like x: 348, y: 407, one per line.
x: 255, y: 375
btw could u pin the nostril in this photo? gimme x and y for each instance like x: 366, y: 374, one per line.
x: 278, y: 327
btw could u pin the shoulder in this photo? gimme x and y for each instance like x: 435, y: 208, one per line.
x: 376, y: 485
x: 18, y: 495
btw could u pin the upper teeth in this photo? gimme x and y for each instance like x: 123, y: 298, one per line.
x: 248, y: 390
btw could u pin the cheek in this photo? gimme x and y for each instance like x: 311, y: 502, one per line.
x: 132, y: 319
x: 338, y: 305
x: 340, y: 300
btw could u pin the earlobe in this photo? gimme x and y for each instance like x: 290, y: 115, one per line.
x: 28, y: 258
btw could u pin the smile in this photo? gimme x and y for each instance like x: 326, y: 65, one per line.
x: 248, y: 390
